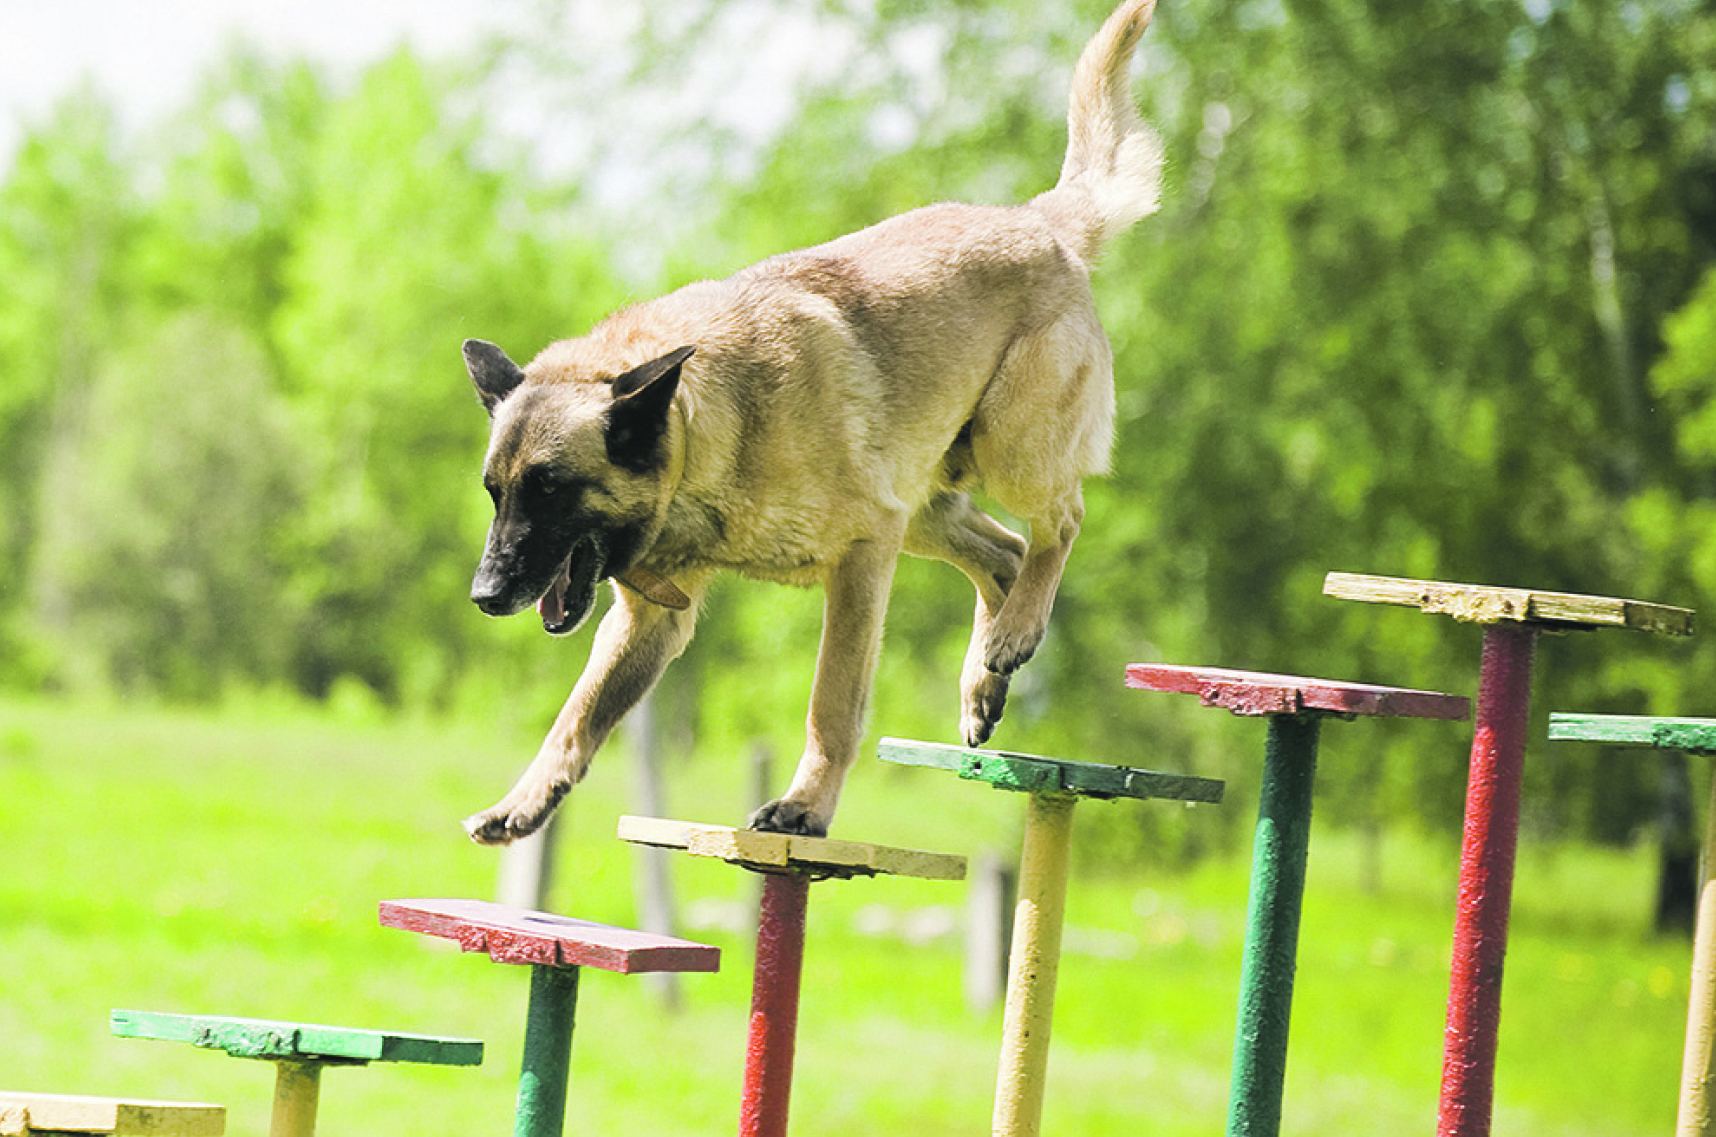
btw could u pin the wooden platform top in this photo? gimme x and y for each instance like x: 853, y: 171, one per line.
x: 1697, y: 736
x: 783, y: 852
x: 1256, y: 693
x: 1484, y: 604
x: 1029, y: 773
x: 518, y: 935
x: 304, y: 1042
x: 22, y: 1114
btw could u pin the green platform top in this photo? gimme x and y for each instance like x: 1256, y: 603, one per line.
x: 1486, y: 604
x: 1697, y: 736
x: 296, y: 1042
x: 1031, y: 774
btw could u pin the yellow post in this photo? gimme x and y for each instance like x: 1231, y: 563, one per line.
x: 1033, y: 965
x: 1695, y: 1118
x: 297, y: 1091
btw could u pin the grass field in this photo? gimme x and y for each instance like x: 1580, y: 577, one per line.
x: 232, y: 863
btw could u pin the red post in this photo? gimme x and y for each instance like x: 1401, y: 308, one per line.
x: 774, y: 1005
x: 1486, y: 881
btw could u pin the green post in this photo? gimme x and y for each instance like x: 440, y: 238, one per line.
x: 1272, y: 926
x: 547, y: 1051
x: 1295, y: 707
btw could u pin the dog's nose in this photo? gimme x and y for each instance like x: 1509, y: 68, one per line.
x: 489, y: 592
x: 493, y: 605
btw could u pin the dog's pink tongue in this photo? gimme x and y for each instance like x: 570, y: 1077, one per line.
x: 552, y: 606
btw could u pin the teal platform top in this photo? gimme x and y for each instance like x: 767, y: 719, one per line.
x: 1695, y: 735
x: 1029, y: 773
x: 300, y: 1042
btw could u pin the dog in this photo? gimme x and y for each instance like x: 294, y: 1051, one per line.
x: 806, y: 421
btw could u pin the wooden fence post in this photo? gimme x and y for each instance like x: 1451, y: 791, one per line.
x: 990, y: 900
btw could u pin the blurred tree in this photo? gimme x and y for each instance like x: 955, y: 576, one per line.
x: 67, y: 212
x: 160, y: 563
x: 409, y: 243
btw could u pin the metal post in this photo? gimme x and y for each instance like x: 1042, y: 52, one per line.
x: 1486, y: 881
x: 547, y: 1052
x: 1696, y: 1117
x: 297, y: 1093
x: 774, y: 1005
x: 1272, y: 926
x: 1033, y: 966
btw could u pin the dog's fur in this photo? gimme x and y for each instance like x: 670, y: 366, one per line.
x: 805, y: 421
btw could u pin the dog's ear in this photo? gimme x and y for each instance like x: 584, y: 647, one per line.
x: 638, y: 418
x: 494, y: 375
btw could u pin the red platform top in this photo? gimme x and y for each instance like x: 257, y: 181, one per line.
x: 1255, y: 693
x: 518, y: 935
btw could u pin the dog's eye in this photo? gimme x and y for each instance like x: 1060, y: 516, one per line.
x: 541, y: 483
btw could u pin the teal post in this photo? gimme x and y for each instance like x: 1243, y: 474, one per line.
x: 1294, y: 707
x: 1272, y: 926
x: 555, y: 948
x: 547, y: 1052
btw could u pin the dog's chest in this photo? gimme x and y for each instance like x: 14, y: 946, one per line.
x: 757, y: 539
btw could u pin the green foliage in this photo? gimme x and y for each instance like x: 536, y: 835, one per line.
x: 164, y: 540
x: 66, y: 214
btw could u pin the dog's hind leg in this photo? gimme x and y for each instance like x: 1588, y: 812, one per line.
x: 635, y: 642
x: 1019, y: 627
x: 950, y: 528
x: 854, y: 604
x: 1045, y: 423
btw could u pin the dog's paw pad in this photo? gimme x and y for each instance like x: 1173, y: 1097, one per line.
x: 503, y: 824
x: 490, y: 828
x: 984, y: 704
x: 791, y: 817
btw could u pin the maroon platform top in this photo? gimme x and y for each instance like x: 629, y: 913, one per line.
x: 518, y: 935
x: 1254, y: 693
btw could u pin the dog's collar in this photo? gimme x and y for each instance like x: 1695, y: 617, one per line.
x: 655, y: 588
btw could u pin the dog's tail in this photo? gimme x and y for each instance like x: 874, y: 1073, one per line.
x: 1112, y: 175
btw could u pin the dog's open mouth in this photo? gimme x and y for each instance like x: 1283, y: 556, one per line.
x: 569, y: 599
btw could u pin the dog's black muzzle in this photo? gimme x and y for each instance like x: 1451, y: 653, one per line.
x: 563, y: 590
x: 519, y: 565
x: 493, y: 591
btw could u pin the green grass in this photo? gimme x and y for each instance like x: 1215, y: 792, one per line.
x: 232, y: 864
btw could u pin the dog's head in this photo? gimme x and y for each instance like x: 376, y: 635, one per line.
x: 576, y: 471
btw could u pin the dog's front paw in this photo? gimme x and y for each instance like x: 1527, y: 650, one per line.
x: 785, y: 816
x: 508, y: 821
x: 984, y: 702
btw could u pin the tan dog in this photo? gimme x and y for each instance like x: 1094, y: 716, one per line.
x: 806, y: 421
